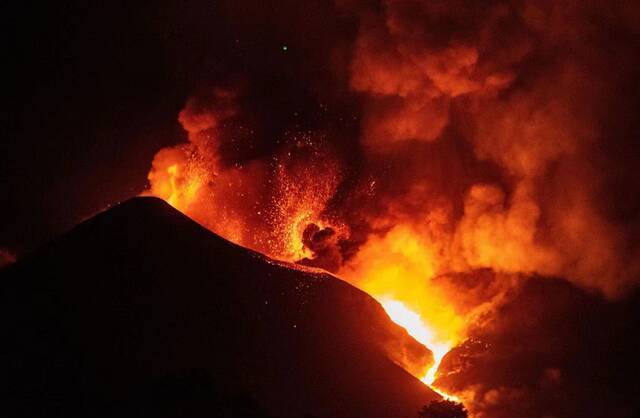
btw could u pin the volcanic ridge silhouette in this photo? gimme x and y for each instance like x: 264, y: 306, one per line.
x: 140, y: 311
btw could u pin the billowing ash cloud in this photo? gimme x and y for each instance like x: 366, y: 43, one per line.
x: 531, y: 86
x: 398, y: 143
x: 499, y: 114
x: 550, y: 350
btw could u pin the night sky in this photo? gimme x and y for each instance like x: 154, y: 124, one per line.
x: 93, y: 92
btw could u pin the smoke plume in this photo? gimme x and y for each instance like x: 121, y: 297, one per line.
x: 403, y: 143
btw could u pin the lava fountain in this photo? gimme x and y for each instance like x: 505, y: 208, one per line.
x: 397, y: 267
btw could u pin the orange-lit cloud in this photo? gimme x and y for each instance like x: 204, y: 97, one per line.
x: 479, y: 158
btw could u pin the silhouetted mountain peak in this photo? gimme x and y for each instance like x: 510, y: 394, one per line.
x: 141, y: 309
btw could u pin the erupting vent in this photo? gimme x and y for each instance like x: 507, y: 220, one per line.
x: 439, y: 168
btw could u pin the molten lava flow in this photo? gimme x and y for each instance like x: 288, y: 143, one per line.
x: 424, y: 334
x: 397, y: 268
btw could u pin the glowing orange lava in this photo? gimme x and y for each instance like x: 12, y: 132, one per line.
x: 397, y: 267
x: 423, y: 333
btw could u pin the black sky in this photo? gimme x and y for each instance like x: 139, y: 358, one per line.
x: 93, y: 91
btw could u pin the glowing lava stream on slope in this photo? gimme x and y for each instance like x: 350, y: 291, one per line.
x: 419, y: 330
x: 396, y: 269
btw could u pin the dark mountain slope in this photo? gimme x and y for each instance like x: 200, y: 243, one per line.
x: 140, y: 311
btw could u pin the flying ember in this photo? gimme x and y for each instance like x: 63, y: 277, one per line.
x: 438, y: 172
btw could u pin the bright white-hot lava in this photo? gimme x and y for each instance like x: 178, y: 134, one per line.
x: 418, y: 329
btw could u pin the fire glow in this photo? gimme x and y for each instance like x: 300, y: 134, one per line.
x: 419, y: 330
x: 436, y: 177
x: 395, y: 270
